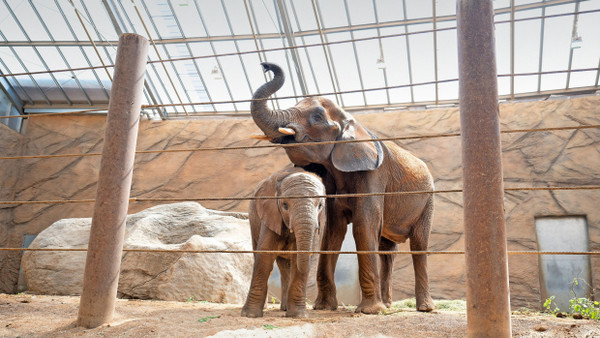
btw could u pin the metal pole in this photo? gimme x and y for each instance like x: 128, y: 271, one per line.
x: 105, y: 248
x: 488, y: 303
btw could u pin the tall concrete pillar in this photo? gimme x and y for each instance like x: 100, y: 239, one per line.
x: 488, y: 304
x: 105, y: 248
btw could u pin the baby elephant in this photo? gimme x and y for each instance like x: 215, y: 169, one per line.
x: 285, y: 224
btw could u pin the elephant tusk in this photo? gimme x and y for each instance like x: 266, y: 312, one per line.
x: 287, y: 131
x: 261, y: 137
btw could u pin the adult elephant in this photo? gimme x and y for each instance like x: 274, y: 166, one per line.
x: 379, y: 222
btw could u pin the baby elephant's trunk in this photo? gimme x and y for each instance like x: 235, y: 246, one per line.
x: 304, y: 242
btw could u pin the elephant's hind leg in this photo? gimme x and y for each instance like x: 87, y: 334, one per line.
x: 284, y: 271
x: 419, y: 241
x: 387, y: 265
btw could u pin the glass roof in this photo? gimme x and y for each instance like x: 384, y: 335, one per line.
x: 204, y: 55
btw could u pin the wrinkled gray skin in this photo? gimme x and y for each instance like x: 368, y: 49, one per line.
x: 285, y: 224
x: 379, y: 222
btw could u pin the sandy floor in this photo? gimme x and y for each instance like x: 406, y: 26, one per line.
x: 54, y: 316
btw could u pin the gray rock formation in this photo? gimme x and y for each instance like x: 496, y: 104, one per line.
x: 153, y: 275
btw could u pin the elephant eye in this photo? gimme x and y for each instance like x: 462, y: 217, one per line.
x: 284, y: 205
x: 320, y: 205
x: 318, y: 117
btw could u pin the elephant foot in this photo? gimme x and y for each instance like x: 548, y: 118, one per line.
x: 251, y: 313
x: 283, y: 306
x: 370, y: 307
x: 387, y: 303
x: 325, y: 303
x: 425, y: 305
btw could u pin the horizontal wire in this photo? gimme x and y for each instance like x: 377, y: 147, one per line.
x: 83, y: 111
x: 320, y: 252
x: 355, y: 195
x: 302, y: 46
x: 291, y: 145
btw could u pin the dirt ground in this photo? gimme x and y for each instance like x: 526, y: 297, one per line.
x: 27, y: 315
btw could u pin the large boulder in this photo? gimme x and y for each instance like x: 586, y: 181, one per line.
x: 212, y: 277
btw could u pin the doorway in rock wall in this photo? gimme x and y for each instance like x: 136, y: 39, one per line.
x: 558, y: 272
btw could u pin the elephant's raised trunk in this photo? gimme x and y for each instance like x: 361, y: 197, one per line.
x: 268, y: 120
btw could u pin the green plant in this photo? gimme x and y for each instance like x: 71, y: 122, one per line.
x: 585, y: 307
x: 190, y: 299
x: 206, y: 319
x: 270, y: 327
x: 582, y: 305
x: 548, y: 305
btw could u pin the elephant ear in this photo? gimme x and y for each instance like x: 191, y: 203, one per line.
x: 267, y: 209
x: 356, y: 156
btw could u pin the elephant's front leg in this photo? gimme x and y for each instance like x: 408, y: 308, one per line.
x: 335, y: 231
x: 296, y: 297
x: 367, y: 223
x: 255, y: 302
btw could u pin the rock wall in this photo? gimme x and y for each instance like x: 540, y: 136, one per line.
x: 10, y: 145
x: 551, y: 158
